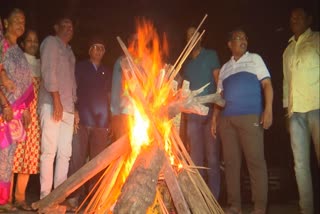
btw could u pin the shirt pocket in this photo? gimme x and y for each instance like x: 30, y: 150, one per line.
x: 309, y: 58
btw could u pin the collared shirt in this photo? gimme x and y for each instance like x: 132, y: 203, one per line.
x: 117, y: 90
x: 93, y: 88
x: 199, y: 71
x: 240, y: 82
x: 301, y: 73
x: 120, y: 101
x: 57, y: 70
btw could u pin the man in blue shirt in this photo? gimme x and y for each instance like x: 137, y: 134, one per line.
x: 199, y: 69
x: 245, y: 83
x: 118, y: 105
x: 92, y: 135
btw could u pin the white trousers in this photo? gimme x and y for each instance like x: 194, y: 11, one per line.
x: 56, y: 148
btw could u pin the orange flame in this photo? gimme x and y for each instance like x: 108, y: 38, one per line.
x: 148, y: 93
x: 148, y: 51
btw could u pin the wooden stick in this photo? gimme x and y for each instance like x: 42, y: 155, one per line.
x: 187, y: 45
x: 174, y: 188
x: 192, y: 194
x: 105, y: 186
x: 137, y: 75
x: 101, y: 161
x: 211, y: 98
x: 197, y: 179
x: 177, y: 69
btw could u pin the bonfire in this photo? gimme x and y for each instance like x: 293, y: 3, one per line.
x: 152, y: 151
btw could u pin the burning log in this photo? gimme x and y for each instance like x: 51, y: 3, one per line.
x: 139, y: 191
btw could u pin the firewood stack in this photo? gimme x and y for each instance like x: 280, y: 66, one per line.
x: 132, y: 170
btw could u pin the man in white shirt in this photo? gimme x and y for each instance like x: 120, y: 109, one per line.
x: 245, y: 84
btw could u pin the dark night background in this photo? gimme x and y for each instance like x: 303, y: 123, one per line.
x: 266, y: 23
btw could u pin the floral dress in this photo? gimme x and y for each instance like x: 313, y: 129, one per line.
x: 27, y: 155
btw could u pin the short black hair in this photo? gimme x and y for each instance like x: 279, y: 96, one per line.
x: 26, y: 33
x: 96, y: 39
x: 307, y: 9
x: 63, y: 16
x: 234, y: 30
x: 14, y: 11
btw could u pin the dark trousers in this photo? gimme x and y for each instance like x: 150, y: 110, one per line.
x: 120, y: 126
x: 244, y: 134
x: 87, y: 143
x: 205, y: 151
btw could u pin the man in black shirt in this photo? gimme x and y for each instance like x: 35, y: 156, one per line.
x: 93, y: 90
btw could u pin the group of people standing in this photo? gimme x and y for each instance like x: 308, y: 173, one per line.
x: 245, y: 83
x: 70, y: 106
x: 38, y: 102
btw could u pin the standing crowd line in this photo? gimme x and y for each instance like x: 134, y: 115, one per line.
x: 57, y: 113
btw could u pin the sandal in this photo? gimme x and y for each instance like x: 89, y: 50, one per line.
x: 7, y: 208
x: 22, y: 205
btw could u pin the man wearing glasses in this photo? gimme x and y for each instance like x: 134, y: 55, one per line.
x: 92, y: 134
x: 242, y: 81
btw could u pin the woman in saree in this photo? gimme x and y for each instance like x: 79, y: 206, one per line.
x: 16, y: 93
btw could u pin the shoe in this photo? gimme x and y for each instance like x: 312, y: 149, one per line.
x: 22, y: 205
x: 233, y: 210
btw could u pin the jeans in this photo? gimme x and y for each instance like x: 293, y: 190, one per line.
x: 205, y: 148
x: 56, y: 141
x: 303, y: 127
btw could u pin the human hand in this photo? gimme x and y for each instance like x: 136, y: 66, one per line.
x: 76, y: 122
x: 214, y: 127
x: 7, y: 82
x: 26, y: 118
x: 287, y: 120
x: 57, y: 110
x: 7, y: 113
x: 9, y: 85
x: 266, y: 119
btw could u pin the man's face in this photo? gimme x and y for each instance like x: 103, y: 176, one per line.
x: 190, y: 33
x: 299, y: 21
x: 16, y: 24
x: 64, y: 29
x: 238, y: 43
x: 31, y: 43
x: 97, y: 51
